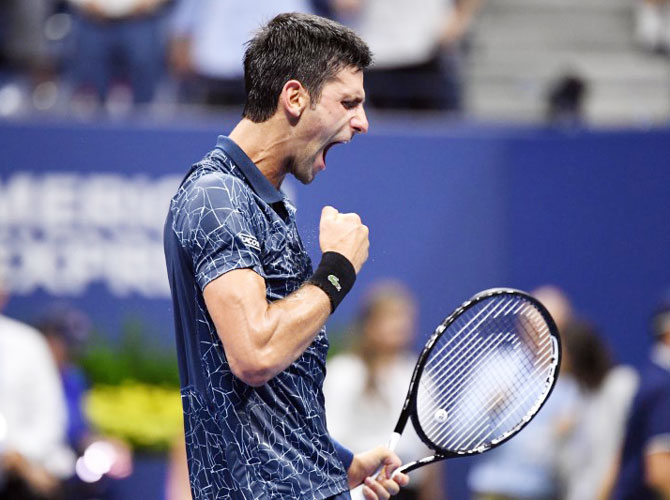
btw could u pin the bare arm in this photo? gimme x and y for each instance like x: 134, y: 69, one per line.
x: 456, y: 24
x: 261, y: 339
x: 657, y: 473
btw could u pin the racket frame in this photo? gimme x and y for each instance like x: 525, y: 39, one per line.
x: 409, y: 409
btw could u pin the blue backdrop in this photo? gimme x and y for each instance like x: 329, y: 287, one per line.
x: 452, y: 209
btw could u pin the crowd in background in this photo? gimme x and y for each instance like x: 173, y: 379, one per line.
x: 83, y: 57
x: 87, y: 58
x: 48, y: 448
x: 604, y: 433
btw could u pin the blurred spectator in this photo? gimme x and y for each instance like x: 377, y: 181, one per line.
x: 25, y: 56
x: 366, y: 383
x: 526, y: 466
x: 24, y: 44
x: 34, y: 456
x: 606, y: 392
x: 417, y: 49
x: 652, y: 25
x: 557, y: 303
x: 207, y: 43
x: 565, y: 100
x: 118, y: 42
x: 66, y: 330
x: 644, y: 471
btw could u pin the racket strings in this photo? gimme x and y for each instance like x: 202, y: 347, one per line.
x: 476, y: 427
x: 464, y: 343
x: 502, y: 418
x: 439, y: 375
x: 443, y: 374
x: 467, y: 342
x: 492, y: 409
x: 486, y: 375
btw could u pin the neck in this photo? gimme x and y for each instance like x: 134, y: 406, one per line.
x: 266, y: 144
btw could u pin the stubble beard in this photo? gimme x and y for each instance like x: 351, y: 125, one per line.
x: 304, y: 171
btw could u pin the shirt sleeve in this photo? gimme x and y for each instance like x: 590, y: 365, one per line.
x: 345, y: 455
x: 217, y: 223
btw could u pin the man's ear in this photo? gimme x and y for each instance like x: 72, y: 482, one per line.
x: 294, y: 99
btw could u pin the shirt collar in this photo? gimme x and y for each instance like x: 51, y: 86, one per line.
x: 258, y: 182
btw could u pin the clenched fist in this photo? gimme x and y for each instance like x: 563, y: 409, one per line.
x: 344, y: 234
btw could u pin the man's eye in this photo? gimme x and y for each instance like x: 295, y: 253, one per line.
x: 349, y: 104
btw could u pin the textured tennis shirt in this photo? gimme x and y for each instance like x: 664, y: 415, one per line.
x: 244, y: 442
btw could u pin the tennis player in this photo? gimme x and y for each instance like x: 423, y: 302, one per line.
x: 249, y: 310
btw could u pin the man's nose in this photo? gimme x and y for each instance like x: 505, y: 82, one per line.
x: 360, y: 121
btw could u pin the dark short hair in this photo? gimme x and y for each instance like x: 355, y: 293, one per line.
x: 589, y: 356
x: 307, y: 48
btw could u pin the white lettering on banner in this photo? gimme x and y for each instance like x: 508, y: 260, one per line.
x: 61, y: 232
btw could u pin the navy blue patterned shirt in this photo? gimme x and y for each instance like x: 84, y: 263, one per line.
x: 244, y: 442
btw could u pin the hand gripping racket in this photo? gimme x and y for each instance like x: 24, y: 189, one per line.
x: 483, y: 375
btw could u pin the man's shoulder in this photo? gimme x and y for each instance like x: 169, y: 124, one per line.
x: 209, y: 173
x: 23, y: 338
x: 21, y: 330
x: 213, y: 182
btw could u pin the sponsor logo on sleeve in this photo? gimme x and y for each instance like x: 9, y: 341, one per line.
x: 249, y: 241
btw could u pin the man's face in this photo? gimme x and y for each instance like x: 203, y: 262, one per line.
x: 334, y: 119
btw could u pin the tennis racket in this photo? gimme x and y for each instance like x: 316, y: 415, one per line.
x: 483, y: 375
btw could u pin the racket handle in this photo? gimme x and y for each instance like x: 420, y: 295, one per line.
x: 357, y: 492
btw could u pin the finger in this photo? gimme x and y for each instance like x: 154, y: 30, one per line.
x: 328, y: 212
x: 377, y: 488
x: 383, y: 473
x: 391, y: 463
x: 401, y: 479
x: 353, y: 217
x: 388, y: 471
x: 392, y: 487
x: 368, y: 494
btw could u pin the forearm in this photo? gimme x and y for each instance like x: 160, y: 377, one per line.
x: 262, y: 339
x: 657, y: 473
x: 291, y: 325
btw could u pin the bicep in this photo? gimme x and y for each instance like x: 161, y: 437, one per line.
x: 236, y: 303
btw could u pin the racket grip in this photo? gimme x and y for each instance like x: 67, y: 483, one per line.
x: 357, y: 492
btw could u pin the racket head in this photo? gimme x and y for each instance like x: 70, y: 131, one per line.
x: 485, y: 373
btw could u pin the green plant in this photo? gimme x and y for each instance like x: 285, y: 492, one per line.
x: 131, y: 359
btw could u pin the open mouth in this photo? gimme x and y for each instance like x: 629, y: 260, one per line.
x: 327, y: 148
